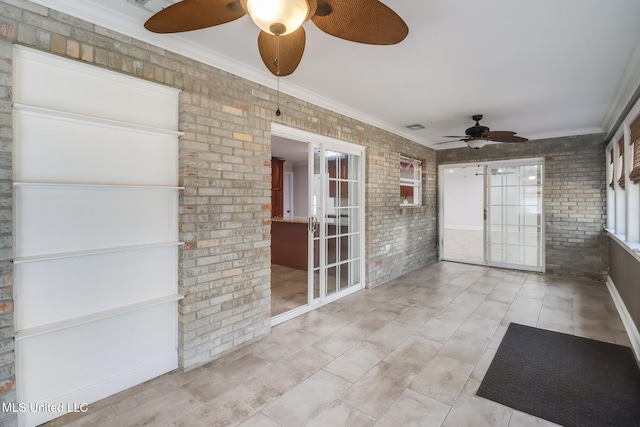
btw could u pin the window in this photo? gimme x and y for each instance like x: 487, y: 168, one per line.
x: 621, y: 154
x: 410, y: 182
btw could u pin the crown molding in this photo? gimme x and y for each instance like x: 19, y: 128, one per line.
x: 98, y: 14
x: 626, y: 95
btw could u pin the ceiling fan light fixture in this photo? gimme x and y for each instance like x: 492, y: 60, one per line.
x: 476, y: 143
x: 278, y: 17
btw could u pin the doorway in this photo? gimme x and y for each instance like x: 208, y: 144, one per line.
x: 492, y: 214
x: 317, y: 251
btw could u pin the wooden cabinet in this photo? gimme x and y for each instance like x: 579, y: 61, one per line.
x: 338, y: 170
x: 277, y: 188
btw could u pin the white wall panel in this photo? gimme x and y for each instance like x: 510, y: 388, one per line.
x: 107, y: 356
x: 82, y: 151
x: 51, y: 82
x: 54, y: 219
x: 80, y: 286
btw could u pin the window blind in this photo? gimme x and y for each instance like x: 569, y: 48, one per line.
x: 612, y: 183
x: 621, y: 150
x: 635, y: 140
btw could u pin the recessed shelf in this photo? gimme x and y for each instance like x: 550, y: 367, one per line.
x: 96, y: 186
x: 61, y: 255
x: 93, y: 317
x: 82, y: 118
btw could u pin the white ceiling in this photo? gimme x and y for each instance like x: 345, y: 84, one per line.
x: 543, y: 68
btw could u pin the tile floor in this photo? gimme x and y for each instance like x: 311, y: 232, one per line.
x: 411, y: 352
x: 288, y: 288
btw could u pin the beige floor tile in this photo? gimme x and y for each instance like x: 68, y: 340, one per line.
x: 439, y: 330
x: 480, y: 370
x: 207, y: 387
x: 306, y: 400
x: 480, y: 325
x: 160, y: 411
x: 391, y: 335
x: 442, y: 379
x: 556, y: 315
x: 258, y: 420
x: 341, y: 414
x: 232, y: 406
x: 342, y: 340
x: 520, y: 419
x: 295, y: 369
x: 417, y: 316
x: 378, y: 389
x: 470, y: 410
x: 413, y: 409
x: 492, y: 309
x: 465, y: 346
x: 413, y: 353
x: 357, y: 361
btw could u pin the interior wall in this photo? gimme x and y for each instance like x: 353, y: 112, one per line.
x: 224, y: 167
x: 625, y: 273
x: 574, y: 199
x: 464, y: 198
x: 300, y: 190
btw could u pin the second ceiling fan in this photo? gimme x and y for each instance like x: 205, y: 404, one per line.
x: 282, y: 38
x: 478, y: 135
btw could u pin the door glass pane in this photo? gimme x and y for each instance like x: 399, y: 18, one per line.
x: 515, y: 209
x: 337, y: 201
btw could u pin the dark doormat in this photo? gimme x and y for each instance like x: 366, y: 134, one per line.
x: 568, y: 380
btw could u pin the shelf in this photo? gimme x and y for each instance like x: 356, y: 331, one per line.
x: 62, y: 255
x: 82, y: 320
x: 96, y: 186
x: 81, y: 118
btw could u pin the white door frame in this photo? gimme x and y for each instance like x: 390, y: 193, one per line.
x: 486, y: 165
x: 315, y: 140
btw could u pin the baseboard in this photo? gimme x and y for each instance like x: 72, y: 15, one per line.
x: 629, y: 324
x: 75, y: 401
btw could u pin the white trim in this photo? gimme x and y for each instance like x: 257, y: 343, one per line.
x: 48, y: 113
x: 627, y: 321
x: 61, y: 255
x: 93, y: 317
x: 483, y: 164
x: 299, y: 311
x: 97, y: 186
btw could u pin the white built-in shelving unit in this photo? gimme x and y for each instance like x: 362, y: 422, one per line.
x: 95, y: 178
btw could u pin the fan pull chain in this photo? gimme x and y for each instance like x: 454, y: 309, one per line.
x: 278, y: 74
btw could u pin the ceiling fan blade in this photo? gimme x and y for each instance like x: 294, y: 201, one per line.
x: 362, y: 21
x: 455, y: 136
x: 503, y: 136
x: 291, y: 50
x: 509, y: 139
x: 458, y: 139
x: 190, y: 15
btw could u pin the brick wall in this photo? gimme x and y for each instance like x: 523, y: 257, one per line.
x: 224, y: 267
x: 575, y: 198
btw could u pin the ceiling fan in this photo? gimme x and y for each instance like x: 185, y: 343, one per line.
x: 477, y: 136
x: 282, y: 38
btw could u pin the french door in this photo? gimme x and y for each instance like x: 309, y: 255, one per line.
x: 335, y: 218
x: 335, y: 221
x: 511, y: 210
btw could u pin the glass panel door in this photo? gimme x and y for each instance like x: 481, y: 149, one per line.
x: 335, y: 222
x: 514, y: 224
